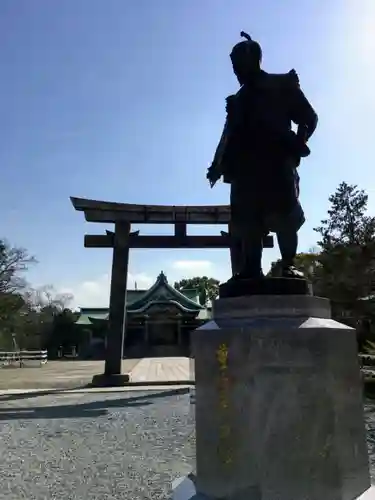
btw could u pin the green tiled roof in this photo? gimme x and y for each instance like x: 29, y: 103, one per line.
x: 139, y: 300
x: 133, y: 295
x: 83, y: 320
x: 162, y: 291
x: 101, y: 313
x: 87, y: 313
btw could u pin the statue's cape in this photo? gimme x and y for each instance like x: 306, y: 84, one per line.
x: 283, y: 83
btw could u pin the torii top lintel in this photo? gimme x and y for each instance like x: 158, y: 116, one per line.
x: 110, y: 212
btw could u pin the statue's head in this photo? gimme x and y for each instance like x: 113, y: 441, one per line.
x: 246, y: 57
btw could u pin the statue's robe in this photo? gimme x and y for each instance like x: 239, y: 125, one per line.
x: 258, y: 154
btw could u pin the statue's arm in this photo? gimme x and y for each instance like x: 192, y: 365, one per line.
x: 221, y: 146
x: 216, y: 169
x: 302, y: 114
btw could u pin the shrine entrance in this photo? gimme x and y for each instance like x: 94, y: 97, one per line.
x: 162, y: 332
x: 163, y: 325
x: 122, y: 215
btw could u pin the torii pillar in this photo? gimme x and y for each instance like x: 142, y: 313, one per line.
x: 113, y: 375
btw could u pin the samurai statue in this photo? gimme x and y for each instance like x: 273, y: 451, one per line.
x: 258, y: 155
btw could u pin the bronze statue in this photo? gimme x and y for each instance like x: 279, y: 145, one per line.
x: 258, y: 154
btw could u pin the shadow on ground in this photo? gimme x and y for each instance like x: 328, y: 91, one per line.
x: 84, y: 410
x: 41, y: 392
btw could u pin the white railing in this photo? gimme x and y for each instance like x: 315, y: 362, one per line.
x: 23, y: 358
x: 367, y: 364
x: 367, y: 358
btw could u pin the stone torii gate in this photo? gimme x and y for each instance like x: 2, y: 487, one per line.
x: 123, y: 215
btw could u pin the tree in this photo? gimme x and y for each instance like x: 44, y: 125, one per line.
x: 14, y: 262
x: 33, y: 318
x: 45, y: 299
x: 347, y: 223
x: 343, y: 267
x: 63, y: 331
x: 38, y: 321
x: 347, y: 251
x: 306, y: 262
x: 208, y: 288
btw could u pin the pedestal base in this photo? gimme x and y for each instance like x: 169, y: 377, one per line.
x: 265, y: 286
x: 184, y: 489
x: 115, y: 380
x: 278, y: 402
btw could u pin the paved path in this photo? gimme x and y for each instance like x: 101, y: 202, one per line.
x: 56, y: 374
x: 161, y: 370
x: 74, y: 374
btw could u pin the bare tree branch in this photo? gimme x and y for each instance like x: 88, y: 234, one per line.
x: 14, y: 262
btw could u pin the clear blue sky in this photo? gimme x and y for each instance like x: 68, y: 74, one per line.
x: 123, y: 100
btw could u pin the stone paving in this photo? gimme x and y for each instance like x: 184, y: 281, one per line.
x: 100, y: 445
x: 173, y: 369
x: 70, y: 374
x: 56, y: 374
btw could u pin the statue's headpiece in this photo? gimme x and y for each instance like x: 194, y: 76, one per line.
x: 249, y: 46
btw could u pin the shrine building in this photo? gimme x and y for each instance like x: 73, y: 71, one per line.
x: 158, y: 321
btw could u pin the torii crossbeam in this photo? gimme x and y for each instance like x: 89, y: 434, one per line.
x: 123, y: 215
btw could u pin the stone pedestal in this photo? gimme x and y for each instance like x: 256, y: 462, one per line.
x: 192, y: 387
x: 279, y: 413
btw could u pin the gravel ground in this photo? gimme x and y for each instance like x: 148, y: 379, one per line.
x: 127, y: 445
x: 370, y: 425
x: 107, y: 446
